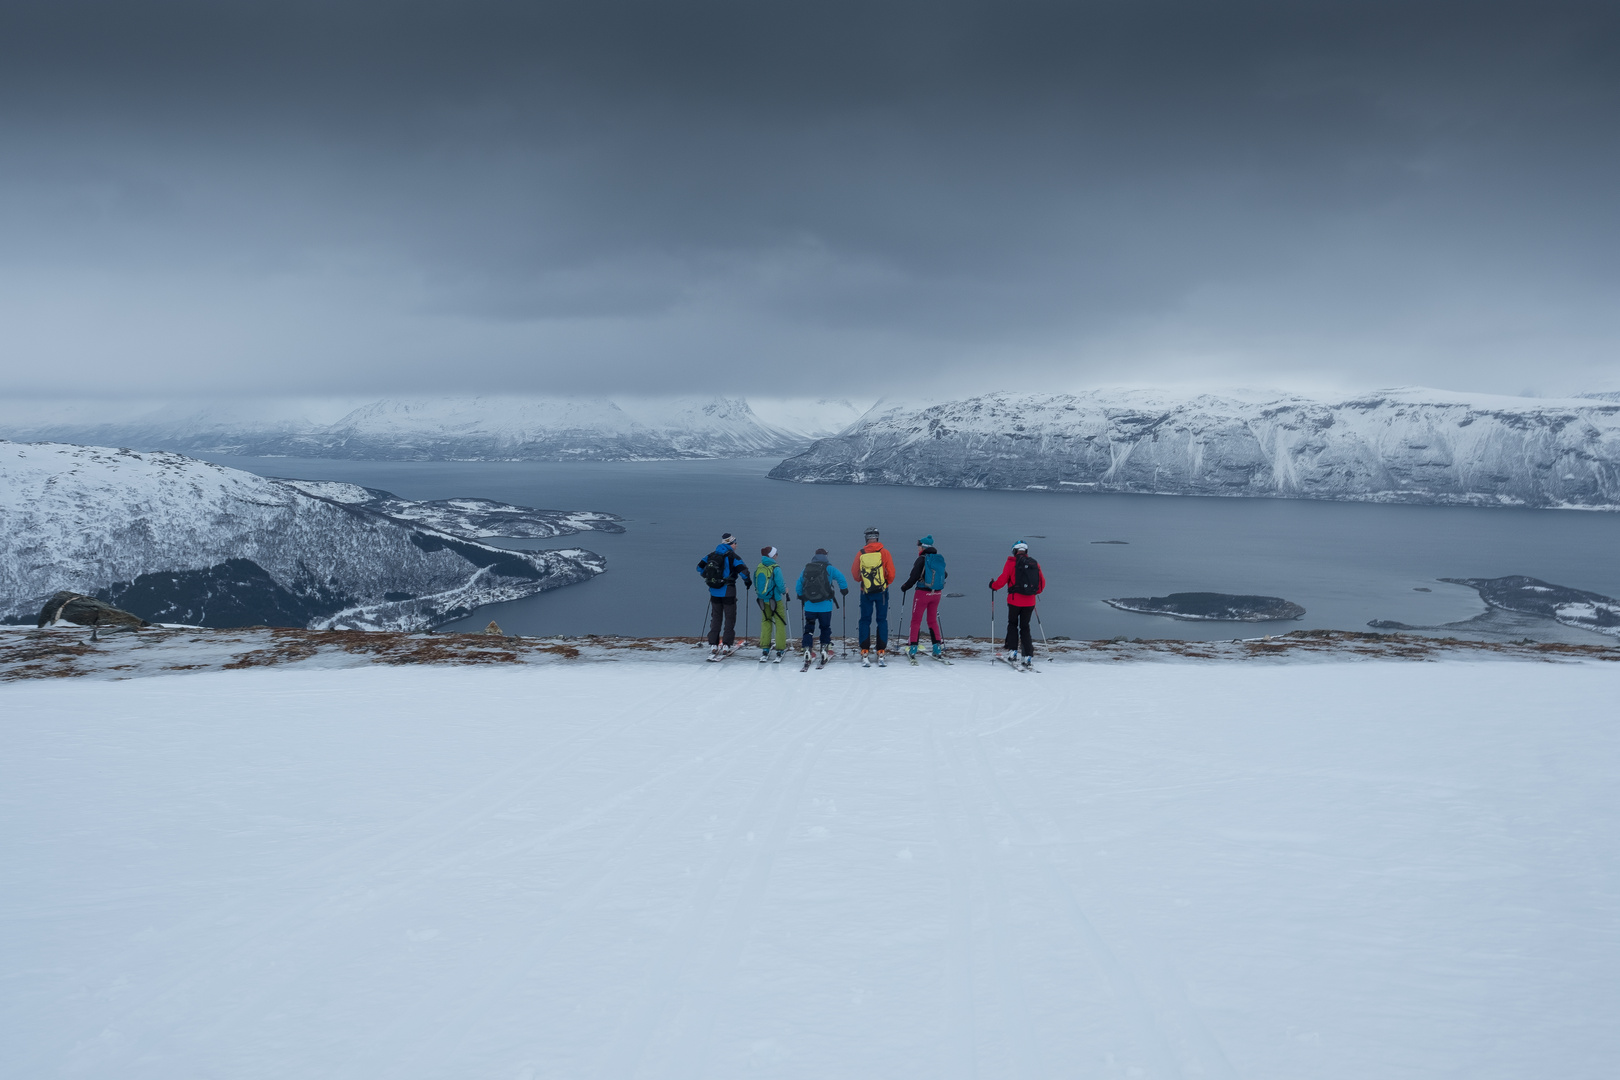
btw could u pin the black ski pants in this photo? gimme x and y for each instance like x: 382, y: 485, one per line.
x: 723, y: 610
x: 1018, y: 636
x: 813, y: 619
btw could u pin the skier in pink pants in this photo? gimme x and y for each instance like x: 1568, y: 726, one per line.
x: 928, y: 578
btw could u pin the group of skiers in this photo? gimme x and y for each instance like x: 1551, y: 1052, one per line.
x: 820, y: 584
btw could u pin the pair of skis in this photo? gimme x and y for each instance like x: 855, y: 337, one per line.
x: 1015, y: 665
x: 810, y: 656
x: 913, y: 658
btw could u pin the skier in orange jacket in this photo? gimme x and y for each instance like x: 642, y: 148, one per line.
x: 873, y: 570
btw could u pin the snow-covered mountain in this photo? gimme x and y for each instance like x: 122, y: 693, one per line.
x: 179, y: 540
x: 1409, y: 445
x: 491, y: 428
x: 817, y: 418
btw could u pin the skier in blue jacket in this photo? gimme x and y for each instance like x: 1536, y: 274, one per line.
x: 720, y: 569
x: 814, y: 588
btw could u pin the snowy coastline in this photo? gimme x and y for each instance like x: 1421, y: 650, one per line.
x: 189, y: 541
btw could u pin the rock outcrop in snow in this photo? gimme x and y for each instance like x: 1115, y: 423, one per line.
x: 492, y: 428
x: 1412, y: 446
x: 179, y: 540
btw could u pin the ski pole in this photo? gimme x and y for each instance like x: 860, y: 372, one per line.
x: 708, y: 609
x: 992, y: 638
x: 1044, y: 645
x: 748, y: 587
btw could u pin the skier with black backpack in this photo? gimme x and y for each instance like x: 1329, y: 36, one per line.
x: 720, y: 569
x: 815, y: 590
x: 928, y: 578
x: 1024, y: 581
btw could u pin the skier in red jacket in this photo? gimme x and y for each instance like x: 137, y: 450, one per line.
x: 1024, y: 581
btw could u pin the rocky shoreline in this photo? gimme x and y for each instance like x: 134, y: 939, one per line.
x: 68, y: 652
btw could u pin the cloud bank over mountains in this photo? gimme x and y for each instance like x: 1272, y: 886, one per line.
x: 367, y: 199
x: 495, y: 428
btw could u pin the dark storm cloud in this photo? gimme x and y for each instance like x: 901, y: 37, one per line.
x: 380, y: 197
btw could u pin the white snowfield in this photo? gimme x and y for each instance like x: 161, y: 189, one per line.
x: 1324, y: 870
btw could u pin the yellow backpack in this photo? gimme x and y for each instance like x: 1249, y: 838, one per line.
x: 873, y: 579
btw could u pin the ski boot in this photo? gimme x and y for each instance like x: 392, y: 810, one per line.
x: 826, y: 655
x: 881, y: 661
x: 866, y: 658
x: 939, y: 650
x: 777, y: 659
x: 911, y: 653
x: 714, y: 654
x: 764, y: 655
x: 1029, y: 662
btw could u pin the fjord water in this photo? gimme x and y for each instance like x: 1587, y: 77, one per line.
x: 1345, y: 563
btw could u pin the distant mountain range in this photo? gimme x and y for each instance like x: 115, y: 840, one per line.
x: 177, y: 540
x: 1406, y: 445
x: 494, y: 428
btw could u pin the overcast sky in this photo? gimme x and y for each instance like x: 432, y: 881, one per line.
x: 779, y: 198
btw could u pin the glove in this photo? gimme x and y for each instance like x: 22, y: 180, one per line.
x: 844, y: 592
x: 903, y: 589
x: 992, y: 586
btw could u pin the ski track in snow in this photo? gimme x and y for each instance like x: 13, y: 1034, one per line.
x: 651, y: 870
x: 589, y: 883
x: 365, y: 864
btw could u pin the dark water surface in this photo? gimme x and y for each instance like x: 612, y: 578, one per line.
x: 1345, y: 563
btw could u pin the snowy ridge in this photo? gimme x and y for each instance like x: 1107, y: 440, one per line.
x: 188, y: 541
x: 1409, y: 445
x: 66, y: 651
x: 489, y: 428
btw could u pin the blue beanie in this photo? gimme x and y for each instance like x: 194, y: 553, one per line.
x: 927, y: 541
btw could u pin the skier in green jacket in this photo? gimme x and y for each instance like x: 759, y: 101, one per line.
x: 772, y: 594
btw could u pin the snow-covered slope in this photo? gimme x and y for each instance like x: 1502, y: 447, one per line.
x: 179, y: 540
x: 494, y: 428
x: 1319, y: 871
x: 1419, y: 446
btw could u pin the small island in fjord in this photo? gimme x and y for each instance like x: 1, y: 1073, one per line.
x: 1211, y: 607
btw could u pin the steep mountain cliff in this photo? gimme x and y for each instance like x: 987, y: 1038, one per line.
x: 1414, y: 446
x: 179, y: 540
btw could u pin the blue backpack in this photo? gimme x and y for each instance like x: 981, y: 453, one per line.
x: 933, y: 575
